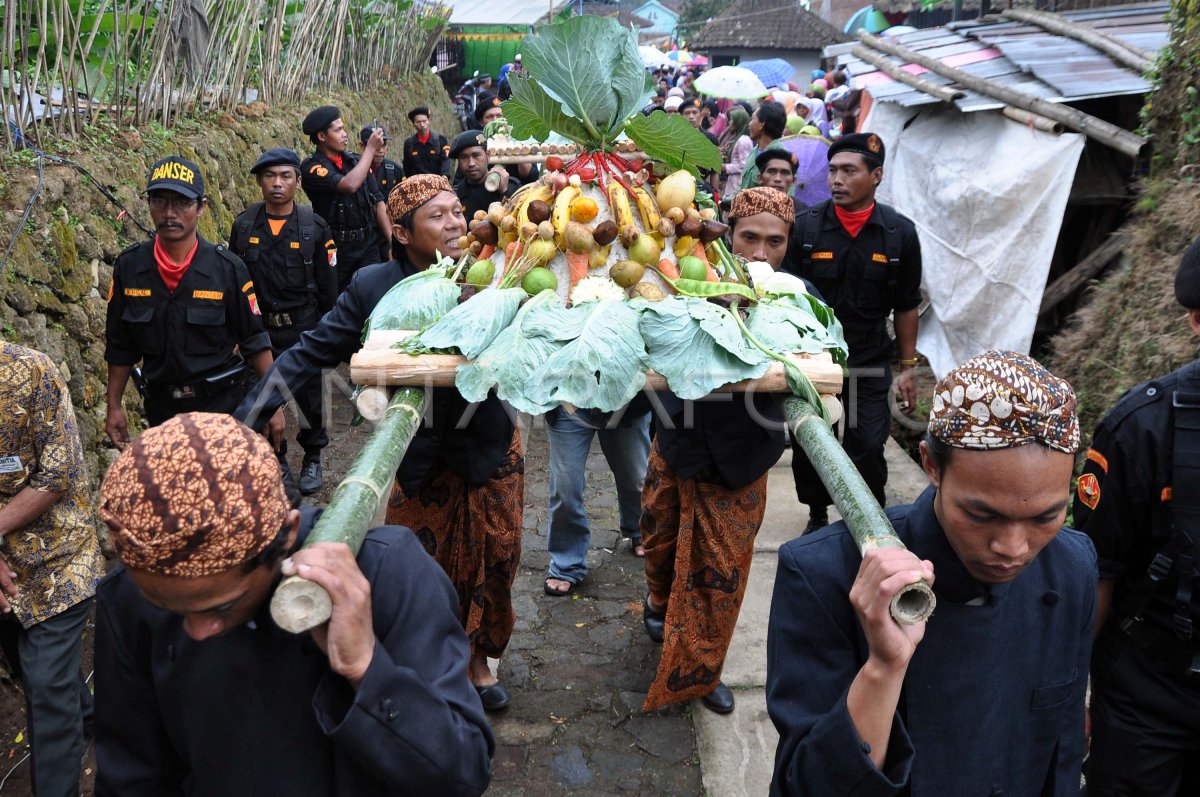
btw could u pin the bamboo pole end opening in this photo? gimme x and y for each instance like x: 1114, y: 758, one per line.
x: 299, y: 605
x: 913, y: 604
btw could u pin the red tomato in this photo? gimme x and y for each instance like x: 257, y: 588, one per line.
x: 587, y: 173
x: 554, y: 163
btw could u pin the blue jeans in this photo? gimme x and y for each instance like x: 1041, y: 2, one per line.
x: 626, y: 446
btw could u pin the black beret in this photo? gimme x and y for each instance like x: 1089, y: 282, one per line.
x: 471, y: 138
x: 486, y: 103
x: 364, y: 135
x: 775, y: 154
x: 1187, y: 279
x: 279, y: 156
x: 867, y: 144
x: 319, y: 120
x: 693, y: 102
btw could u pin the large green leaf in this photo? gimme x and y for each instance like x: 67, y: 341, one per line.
x: 670, y: 138
x: 592, y: 65
x: 534, y: 114
x: 415, y: 302
x: 785, y: 327
x: 602, y: 365
x: 473, y: 325
x: 697, y: 346
x: 513, y: 356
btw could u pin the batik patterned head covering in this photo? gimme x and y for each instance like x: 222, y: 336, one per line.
x: 1002, y: 399
x: 753, y: 201
x: 414, y: 192
x: 196, y: 496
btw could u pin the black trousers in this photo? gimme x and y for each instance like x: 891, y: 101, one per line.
x: 308, y: 405
x: 868, y: 422
x: 353, y: 255
x: 1145, y: 725
x: 46, y: 656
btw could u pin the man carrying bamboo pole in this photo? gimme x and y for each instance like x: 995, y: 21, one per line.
x: 199, y: 692
x: 461, y: 484
x: 705, y: 497
x: 988, y: 699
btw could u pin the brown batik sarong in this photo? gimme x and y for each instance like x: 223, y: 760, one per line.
x: 699, y: 539
x: 474, y: 533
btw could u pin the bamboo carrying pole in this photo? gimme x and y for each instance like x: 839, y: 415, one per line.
x: 298, y: 604
x: 1030, y: 118
x: 943, y: 93
x: 1108, y: 134
x: 863, y: 515
x: 1124, y: 54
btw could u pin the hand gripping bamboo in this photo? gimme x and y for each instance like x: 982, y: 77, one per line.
x: 298, y: 604
x: 862, y: 514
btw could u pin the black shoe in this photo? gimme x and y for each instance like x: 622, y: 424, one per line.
x: 818, y: 518
x: 493, y: 697
x: 719, y: 700
x: 310, y: 476
x: 654, y: 622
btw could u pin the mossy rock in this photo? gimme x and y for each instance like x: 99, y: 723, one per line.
x: 28, y: 260
x: 20, y: 296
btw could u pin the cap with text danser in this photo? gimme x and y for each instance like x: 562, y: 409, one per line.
x: 176, y: 174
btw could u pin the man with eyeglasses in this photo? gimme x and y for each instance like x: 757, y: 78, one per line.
x: 185, y: 309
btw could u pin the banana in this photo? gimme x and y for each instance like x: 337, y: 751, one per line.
x: 647, y: 207
x: 684, y: 245
x: 519, y: 196
x: 560, y: 214
x: 542, y: 192
x: 618, y: 201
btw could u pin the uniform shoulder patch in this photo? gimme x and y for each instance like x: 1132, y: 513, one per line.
x: 318, y: 170
x: 249, y: 286
x: 1088, y: 490
x: 1095, y: 456
x: 253, y: 300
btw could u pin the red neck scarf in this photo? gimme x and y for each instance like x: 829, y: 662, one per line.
x: 854, y: 220
x: 170, y: 271
x: 424, y: 138
x: 337, y: 161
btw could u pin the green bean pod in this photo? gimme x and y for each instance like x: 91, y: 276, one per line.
x: 702, y: 289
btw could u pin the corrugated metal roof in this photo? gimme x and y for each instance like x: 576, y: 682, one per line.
x: 1022, y: 56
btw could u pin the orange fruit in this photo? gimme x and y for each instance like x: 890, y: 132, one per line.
x: 584, y: 209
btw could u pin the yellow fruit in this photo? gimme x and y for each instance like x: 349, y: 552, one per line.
x: 584, y: 209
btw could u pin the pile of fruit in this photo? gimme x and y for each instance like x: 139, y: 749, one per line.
x: 578, y: 221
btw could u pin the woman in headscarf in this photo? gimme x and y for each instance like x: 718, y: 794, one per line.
x: 735, y: 146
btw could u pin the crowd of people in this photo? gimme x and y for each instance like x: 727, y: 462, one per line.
x: 390, y: 696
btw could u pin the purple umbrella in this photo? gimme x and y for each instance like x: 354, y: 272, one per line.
x: 812, y: 181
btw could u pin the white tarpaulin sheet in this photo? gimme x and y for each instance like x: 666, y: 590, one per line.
x: 509, y: 12
x: 987, y: 195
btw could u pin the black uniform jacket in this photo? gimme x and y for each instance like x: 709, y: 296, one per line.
x: 475, y: 196
x: 432, y: 157
x: 258, y: 710
x: 320, y: 177
x: 474, y: 451
x: 854, y: 277
x: 1123, y: 497
x: 276, y: 264
x: 389, y: 175
x: 181, y: 337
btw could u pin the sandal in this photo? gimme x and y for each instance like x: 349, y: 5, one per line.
x: 636, y: 548
x: 556, y: 593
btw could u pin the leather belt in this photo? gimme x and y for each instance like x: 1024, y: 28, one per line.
x: 289, y: 319
x: 210, y: 386
x: 357, y: 235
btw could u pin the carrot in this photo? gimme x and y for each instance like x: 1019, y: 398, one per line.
x: 577, y: 268
x: 487, y: 251
x: 670, y: 271
x: 512, y: 253
x: 698, y: 251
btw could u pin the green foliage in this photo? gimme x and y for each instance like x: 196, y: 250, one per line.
x: 592, y: 67
x: 670, y: 138
x: 696, y: 14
